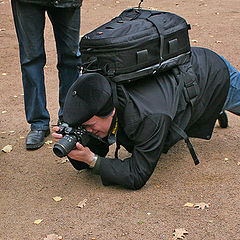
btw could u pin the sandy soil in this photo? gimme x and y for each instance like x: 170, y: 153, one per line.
x: 30, y: 179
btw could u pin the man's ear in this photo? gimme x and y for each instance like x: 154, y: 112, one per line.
x: 113, y: 112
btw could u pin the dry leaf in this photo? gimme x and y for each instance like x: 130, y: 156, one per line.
x: 57, y: 198
x: 7, y: 149
x: 48, y: 142
x: 64, y: 160
x: 201, y: 205
x: 188, y: 204
x: 38, y: 221
x: 179, y: 233
x: 150, y: 8
x: 53, y: 237
x: 82, y: 203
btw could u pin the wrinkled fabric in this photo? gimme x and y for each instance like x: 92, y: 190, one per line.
x: 151, y: 107
x: 232, y: 103
x: 29, y: 22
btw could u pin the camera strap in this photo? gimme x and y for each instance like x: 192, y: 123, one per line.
x: 112, y: 135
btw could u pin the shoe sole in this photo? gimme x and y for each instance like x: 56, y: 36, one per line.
x: 34, y: 146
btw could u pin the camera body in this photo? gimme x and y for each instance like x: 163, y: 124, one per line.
x: 71, y: 136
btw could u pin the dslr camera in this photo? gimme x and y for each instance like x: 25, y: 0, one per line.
x: 71, y: 136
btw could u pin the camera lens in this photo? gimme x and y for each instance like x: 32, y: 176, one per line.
x: 64, y: 145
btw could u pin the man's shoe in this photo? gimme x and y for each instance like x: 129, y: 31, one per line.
x: 223, y: 120
x: 35, y: 139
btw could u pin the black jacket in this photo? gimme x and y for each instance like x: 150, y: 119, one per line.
x: 148, y: 109
x: 55, y: 3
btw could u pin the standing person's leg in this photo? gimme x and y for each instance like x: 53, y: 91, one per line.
x: 29, y: 21
x: 232, y: 103
x: 66, y: 26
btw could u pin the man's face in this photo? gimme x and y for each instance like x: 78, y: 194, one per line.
x: 99, y: 126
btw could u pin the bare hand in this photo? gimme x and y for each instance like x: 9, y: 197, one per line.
x: 56, y: 136
x: 81, y: 153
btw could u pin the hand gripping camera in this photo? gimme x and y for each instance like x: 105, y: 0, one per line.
x: 72, y: 135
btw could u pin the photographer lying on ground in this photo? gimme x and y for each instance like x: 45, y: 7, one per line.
x: 149, y: 110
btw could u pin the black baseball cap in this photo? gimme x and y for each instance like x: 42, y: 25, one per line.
x: 89, y: 95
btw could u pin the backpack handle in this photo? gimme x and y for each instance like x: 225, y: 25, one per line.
x: 139, y: 5
x: 135, y: 13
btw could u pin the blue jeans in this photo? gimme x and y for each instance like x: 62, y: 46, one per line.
x: 29, y: 22
x: 232, y: 103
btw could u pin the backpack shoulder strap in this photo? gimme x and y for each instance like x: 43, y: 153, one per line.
x: 180, y: 132
x: 191, y: 89
x: 114, y: 93
x: 185, y: 76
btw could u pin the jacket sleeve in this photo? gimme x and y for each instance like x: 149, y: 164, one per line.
x: 148, y: 140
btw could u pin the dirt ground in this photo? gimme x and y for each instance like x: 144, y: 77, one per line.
x: 30, y: 179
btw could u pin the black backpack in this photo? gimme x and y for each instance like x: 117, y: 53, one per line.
x: 138, y: 43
